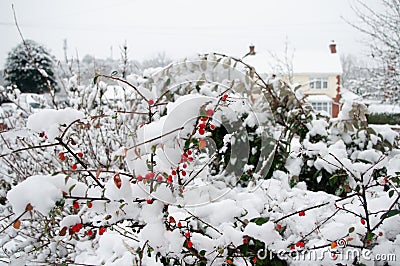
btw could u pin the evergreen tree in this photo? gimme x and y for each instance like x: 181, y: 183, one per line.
x: 30, y: 67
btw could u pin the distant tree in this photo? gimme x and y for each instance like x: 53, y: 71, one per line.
x: 382, y: 28
x: 30, y: 67
x: 160, y: 60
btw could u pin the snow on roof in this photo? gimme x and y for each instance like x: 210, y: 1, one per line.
x: 304, y: 62
x: 384, y: 108
x: 318, y: 98
x: 316, y: 62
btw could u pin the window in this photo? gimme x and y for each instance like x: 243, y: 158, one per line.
x: 322, y: 106
x: 319, y: 83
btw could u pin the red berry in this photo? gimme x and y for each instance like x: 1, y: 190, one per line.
x: 173, y: 172
x: 189, y: 152
x: 210, y: 112
x: 89, y: 232
x: 90, y: 204
x: 149, y: 176
x: 184, y: 165
x: 189, y: 244
x: 80, y: 154
x: 102, y: 230
x: 159, y: 178
x: 278, y: 226
x: 150, y: 102
x: 76, y: 205
x: 224, y: 97
x: 300, y: 244
x: 362, y: 221
x: 302, y: 213
x: 202, y: 126
x: 187, y: 234
x: 169, y: 180
x: 183, y: 173
x: 245, y: 240
x: 212, y: 127
x: 255, y: 260
x: 190, y: 159
x: 201, y: 131
x: 74, y: 166
x: 149, y: 201
x: 179, y: 224
x: 292, y: 247
x: 380, y: 234
x: 139, y: 178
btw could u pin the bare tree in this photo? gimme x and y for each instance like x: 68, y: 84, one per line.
x: 382, y: 28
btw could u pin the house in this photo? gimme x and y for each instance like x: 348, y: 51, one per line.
x: 318, y: 73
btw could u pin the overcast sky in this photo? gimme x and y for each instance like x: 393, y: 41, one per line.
x: 179, y: 27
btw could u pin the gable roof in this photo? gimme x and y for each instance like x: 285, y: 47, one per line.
x: 304, y: 62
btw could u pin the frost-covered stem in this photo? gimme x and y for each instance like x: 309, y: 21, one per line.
x: 315, y: 207
x: 79, y: 161
x: 29, y: 148
x: 86, y: 198
x: 124, y: 81
x: 204, y: 222
x: 16, y: 219
x: 319, y: 226
x: 365, y: 206
x: 155, y: 138
x: 396, y: 201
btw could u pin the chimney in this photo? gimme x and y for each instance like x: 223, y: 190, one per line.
x: 332, y: 47
x: 252, y: 52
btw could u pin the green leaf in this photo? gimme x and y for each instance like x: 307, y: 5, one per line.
x: 202, y: 253
x: 96, y: 76
x: 390, y: 214
x: 370, y: 236
x: 167, y: 82
x: 351, y: 230
x: 260, y: 220
x: 391, y: 193
x: 114, y: 73
x: 71, y: 188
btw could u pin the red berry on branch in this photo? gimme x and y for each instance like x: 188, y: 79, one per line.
x: 169, y: 180
x: 172, y: 220
x: 189, y: 244
x: 102, y: 230
x: 90, y: 204
x: 224, y: 97
x: 212, y: 127
x: 80, y: 154
x: 245, y: 240
x: 184, y: 165
x: 209, y: 112
x: 302, y: 213
x: 179, y: 224
x: 139, y: 178
x: 201, y: 131
x: 189, y: 152
x: 89, y: 232
x: 362, y: 221
x: 74, y: 166
x: 149, y: 201
x: 278, y: 226
x: 187, y: 234
x: 76, y: 205
x: 173, y: 172
x: 150, y: 102
x: 183, y: 173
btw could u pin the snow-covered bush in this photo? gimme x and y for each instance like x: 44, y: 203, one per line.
x: 30, y: 67
x: 198, y: 163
